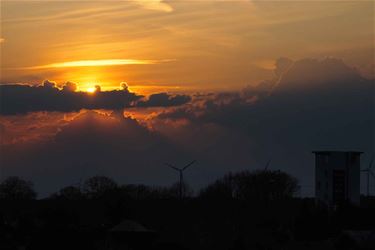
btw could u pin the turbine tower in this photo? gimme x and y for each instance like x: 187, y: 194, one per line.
x: 181, y: 173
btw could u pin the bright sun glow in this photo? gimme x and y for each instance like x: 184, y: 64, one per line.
x: 91, y: 90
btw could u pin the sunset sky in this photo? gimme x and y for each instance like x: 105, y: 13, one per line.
x: 176, y: 45
x: 120, y: 87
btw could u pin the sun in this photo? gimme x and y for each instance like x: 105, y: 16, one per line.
x: 91, y: 90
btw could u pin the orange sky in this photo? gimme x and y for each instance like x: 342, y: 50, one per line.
x: 176, y: 45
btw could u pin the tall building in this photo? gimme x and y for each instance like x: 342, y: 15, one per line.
x: 337, y: 177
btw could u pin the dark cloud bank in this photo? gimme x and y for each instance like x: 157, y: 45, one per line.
x: 21, y: 99
x: 309, y: 105
x: 313, y: 105
x: 164, y: 100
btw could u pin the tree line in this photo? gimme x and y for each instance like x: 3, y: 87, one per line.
x: 261, y: 185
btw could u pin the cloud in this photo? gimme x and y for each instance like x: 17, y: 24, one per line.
x: 21, y: 99
x: 36, y: 126
x: 164, y: 100
x: 309, y: 105
x: 124, y: 86
x: 312, y: 105
x: 98, y: 63
x: 69, y: 87
x: 304, y: 90
x: 49, y: 84
x: 282, y: 64
x: 120, y: 147
x: 159, y: 5
x: 326, y: 74
x: 94, y: 143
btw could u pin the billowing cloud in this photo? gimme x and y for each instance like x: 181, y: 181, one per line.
x: 49, y: 84
x: 20, y: 99
x: 69, y: 87
x: 313, y: 105
x: 35, y: 126
x: 164, y: 100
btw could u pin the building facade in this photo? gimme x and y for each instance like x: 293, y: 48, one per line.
x: 337, y: 177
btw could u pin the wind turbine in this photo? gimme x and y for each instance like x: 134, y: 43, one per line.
x: 181, y: 172
x: 369, y: 172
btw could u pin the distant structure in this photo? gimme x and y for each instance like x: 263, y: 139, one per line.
x: 368, y: 171
x: 337, y: 177
x: 181, y: 172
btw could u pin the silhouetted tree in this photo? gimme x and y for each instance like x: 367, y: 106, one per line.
x: 98, y: 186
x: 187, y: 191
x: 68, y: 193
x: 259, y: 185
x: 139, y: 192
x: 14, y: 188
x: 143, y: 192
x: 222, y: 189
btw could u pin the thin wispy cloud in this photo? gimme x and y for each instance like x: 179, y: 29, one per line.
x: 98, y: 63
x: 159, y: 5
x: 73, y: 15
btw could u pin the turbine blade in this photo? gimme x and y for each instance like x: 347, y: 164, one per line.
x: 171, y: 166
x: 188, y: 165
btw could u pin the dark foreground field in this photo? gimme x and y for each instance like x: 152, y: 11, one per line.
x: 194, y: 223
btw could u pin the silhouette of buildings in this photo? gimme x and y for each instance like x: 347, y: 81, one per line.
x: 337, y: 177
